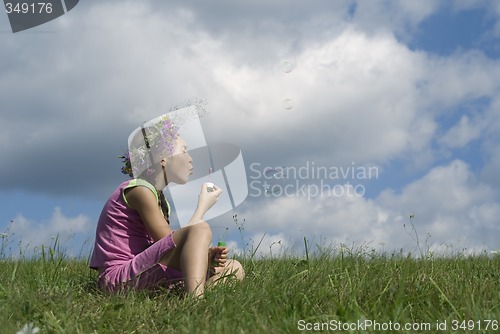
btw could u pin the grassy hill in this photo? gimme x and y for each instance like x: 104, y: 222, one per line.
x: 329, y: 292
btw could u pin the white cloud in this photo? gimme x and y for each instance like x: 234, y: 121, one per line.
x: 401, y: 17
x: 458, y: 78
x: 58, y: 228
x: 451, y: 209
x: 489, y: 172
x: 266, y: 245
x: 359, y: 94
x: 354, y: 97
x: 461, y: 134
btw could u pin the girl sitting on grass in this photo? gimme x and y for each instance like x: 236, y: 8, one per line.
x: 135, y: 246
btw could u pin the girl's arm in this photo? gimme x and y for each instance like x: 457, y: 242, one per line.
x: 206, y: 200
x: 144, y: 201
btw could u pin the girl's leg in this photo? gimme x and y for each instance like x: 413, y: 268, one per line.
x: 233, y: 268
x: 190, y: 255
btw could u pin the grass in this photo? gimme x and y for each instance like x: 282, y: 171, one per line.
x: 280, y: 295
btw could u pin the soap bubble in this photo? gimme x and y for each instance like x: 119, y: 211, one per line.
x: 288, y: 104
x: 278, y: 173
x: 273, y: 189
x: 275, y: 179
x: 287, y: 67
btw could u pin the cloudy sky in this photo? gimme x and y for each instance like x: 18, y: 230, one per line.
x: 351, y: 117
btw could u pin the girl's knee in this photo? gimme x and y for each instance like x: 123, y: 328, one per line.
x: 200, y: 231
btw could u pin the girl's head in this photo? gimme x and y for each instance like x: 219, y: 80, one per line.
x: 178, y: 166
x: 158, y: 154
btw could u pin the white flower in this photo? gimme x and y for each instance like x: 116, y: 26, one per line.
x: 28, y: 329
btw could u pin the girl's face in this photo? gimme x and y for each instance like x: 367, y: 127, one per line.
x: 180, y: 165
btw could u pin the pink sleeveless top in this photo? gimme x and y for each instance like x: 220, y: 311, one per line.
x: 120, y: 233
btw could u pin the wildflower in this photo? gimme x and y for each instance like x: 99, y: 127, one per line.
x: 28, y: 329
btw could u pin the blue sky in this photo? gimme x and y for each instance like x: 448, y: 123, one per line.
x: 407, y: 87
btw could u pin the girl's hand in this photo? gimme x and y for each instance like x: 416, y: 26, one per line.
x: 207, y: 199
x: 217, y: 256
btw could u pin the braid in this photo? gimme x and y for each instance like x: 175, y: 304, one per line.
x: 162, y: 202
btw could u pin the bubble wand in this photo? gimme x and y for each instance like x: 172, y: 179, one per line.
x: 210, y: 185
x: 210, y: 188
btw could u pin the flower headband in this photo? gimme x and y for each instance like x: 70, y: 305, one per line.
x: 154, y: 138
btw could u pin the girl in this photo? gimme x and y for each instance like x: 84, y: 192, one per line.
x: 135, y: 245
